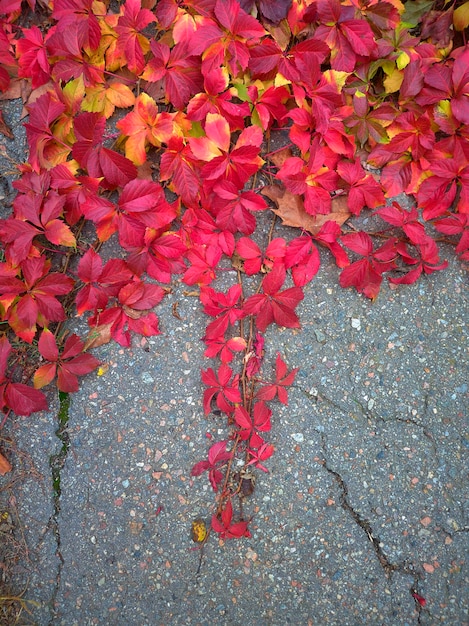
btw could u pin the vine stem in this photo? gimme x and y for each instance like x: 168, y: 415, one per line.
x: 223, y: 496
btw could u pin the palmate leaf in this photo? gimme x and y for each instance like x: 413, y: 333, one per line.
x: 99, y: 161
x: 267, y: 58
x: 130, y: 38
x: 32, y: 300
x: 131, y: 312
x: 222, y: 387
x: 366, y: 274
x: 233, y: 208
x: 226, y: 528
x: 99, y: 283
x: 32, y: 57
x: 178, y: 72
x: 179, y: 167
x: 348, y: 38
x: 283, y: 379
x: 363, y: 190
x: 146, y: 125
x: 258, y: 420
x: 73, y: 362
x: 78, y: 16
x: 274, y: 305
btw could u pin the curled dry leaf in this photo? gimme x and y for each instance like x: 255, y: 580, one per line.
x: 278, y: 158
x: 5, y: 465
x: 98, y: 336
x: 4, y: 128
x: 292, y: 212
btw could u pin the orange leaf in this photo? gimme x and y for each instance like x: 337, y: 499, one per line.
x: 146, y: 125
x: 5, y: 465
x: 217, y: 138
x: 290, y: 208
x: 103, y: 99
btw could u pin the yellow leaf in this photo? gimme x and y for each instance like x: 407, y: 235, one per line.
x: 120, y: 95
x: 74, y: 91
x: 281, y: 81
x: 95, y: 99
x: 402, y: 60
x: 393, y: 81
x: 461, y: 17
x: 334, y: 77
x: 102, y: 99
x: 199, y: 530
x: 444, y: 107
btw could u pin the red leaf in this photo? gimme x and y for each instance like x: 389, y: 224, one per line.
x: 47, y: 346
x: 5, y: 350
x: 129, y: 26
x: 178, y: 71
x: 225, y: 526
x: 363, y: 190
x: 178, y: 165
x: 251, y: 254
x: 88, y: 150
x: 275, y: 305
x: 236, y: 21
x: 32, y: 57
x: 222, y: 388
x: 224, y: 307
x: 283, y: 379
x: 366, y: 274
x: 218, y: 453
x: 263, y: 453
x: 24, y: 400
x: 203, y: 263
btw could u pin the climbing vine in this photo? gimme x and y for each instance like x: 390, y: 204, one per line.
x: 168, y: 127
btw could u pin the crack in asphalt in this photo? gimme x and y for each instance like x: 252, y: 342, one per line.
x: 365, y: 525
x: 56, y: 463
x: 372, y: 417
x: 388, y: 566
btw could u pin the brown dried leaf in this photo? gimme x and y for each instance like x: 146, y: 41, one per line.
x: 133, y: 313
x: 175, y: 311
x: 98, y: 336
x: 278, y: 158
x: 237, y: 262
x: 280, y: 32
x: 292, y: 212
x: 13, y: 92
x: 4, y: 129
x: 5, y: 465
x: 144, y: 171
x: 135, y: 527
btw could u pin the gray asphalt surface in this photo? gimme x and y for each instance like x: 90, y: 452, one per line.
x: 366, y: 499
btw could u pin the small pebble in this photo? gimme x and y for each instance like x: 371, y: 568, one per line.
x: 299, y: 437
x: 147, y: 378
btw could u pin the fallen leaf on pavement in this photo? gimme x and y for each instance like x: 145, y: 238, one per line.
x: 98, y: 336
x: 292, y: 212
x: 4, y: 129
x: 5, y: 465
